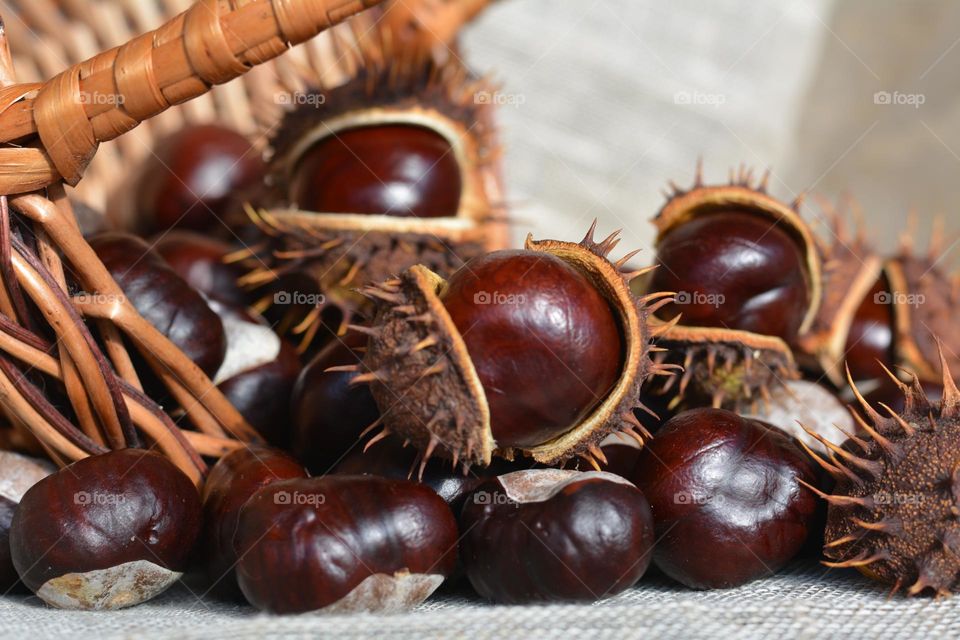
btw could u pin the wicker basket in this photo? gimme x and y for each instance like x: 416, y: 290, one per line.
x: 49, y: 335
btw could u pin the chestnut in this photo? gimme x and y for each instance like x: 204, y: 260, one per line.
x: 390, y: 169
x: 870, y: 337
x: 193, y: 175
x: 236, y: 477
x: 735, y: 270
x: 550, y: 534
x: 200, y: 260
x: 106, y: 532
x: 344, y: 543
x: 258, y: 373
x: 727, y: 498
x: 800, y: 407
x: 17, y: 474
x: 163, y: 298
x: 544, y: 342
x: 330, y: 413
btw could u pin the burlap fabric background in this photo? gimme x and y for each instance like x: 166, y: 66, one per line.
x: 804, y: 601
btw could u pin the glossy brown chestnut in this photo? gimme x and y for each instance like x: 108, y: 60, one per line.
x: 231, y: 482
x: 544, y: 342
x: 548, y: 534
x: 344, y: 543
x: 17, y: 474
x: 106, y: 532
x: 735, y: 270
x: 193, y: 176
x: 329, y: 413
x: 870, y: 338
x: 199, y: 260
x: 726, y: 498
x: 392, y: 169
x: 163, y: 298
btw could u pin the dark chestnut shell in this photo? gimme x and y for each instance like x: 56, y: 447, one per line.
x: 587, y: 536
x: 163, y: 298
x: 307, y: 554
x: 893, y: 511
x: 236, y: 477
x: 422, y: 377
x: 499, y: 302
x: 406, y: 96
x: 200, y: 260
x: 725, y: 366
x: 103, y: 511
x: 728, y: 498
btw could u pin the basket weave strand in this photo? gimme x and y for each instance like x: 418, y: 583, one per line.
x: 109, y: 94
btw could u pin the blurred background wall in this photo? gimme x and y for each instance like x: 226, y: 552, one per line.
x: 606, y: 101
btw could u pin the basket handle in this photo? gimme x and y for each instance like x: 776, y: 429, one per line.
x: 58, y: 130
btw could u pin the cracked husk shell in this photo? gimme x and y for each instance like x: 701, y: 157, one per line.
x: 428, y: 390
x: 344, y: 251
x: 726, y: 367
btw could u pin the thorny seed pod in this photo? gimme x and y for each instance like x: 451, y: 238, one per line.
x: 396, y: 167
x: 163, y: 298
x: 746, y: 274
x: 107, y: 532
x: 893, y: 511
x: 192, y: 178
x: 549, y: 534
x: 728, y: 498
x: 853, y: 325
x: 341, y: 544
x: 17, y: 474
x: 435, y: 386
x: 236, y: 477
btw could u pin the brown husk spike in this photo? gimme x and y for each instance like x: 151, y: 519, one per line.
x: 429, y: 393
x: 894, y: 510
x: 924, y: 300
x: 850, y: 269
x: 723, y: 367
x: 341, y: 251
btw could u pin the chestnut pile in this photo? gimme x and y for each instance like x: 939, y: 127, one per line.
x: 536, y: 424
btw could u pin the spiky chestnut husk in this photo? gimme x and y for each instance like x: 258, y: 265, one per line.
x: 851, y: 268
x: 727, y: 367
x: 894, y: 513
x: 343, y: 251
x: 428, y: 390
x: 924, y: 300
